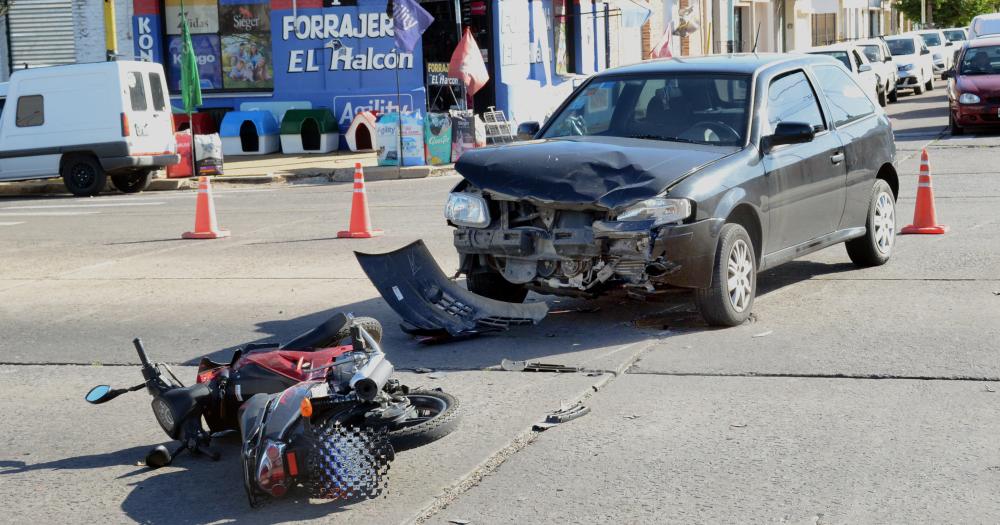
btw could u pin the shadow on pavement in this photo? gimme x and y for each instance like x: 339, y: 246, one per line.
x: 572, y: 328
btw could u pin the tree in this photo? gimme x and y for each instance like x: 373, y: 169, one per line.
x: 5, y: 6
x: 949, y: 13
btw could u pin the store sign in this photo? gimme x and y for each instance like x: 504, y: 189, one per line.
x: 342, y: 41
x: 202, y: 16
x: 206, y: 52
x: 147, y: 37
x: 437, y: 75
x: 244, y: 16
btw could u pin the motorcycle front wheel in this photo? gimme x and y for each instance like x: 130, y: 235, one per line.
x: 436, y: 417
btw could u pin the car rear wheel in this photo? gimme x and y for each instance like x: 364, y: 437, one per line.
x: 729, y: 299
x: 132, y: 182
x: 83, y: 175
x: 874, y: 248
x: 491, y: 284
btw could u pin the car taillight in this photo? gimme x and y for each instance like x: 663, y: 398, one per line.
x: 271, y: 476
x: 125, y: 126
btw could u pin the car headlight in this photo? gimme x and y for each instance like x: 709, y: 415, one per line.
x: 968, y: 98
x: 906, y: 67
x: 937, y: 56
x: 660, y: 210
x: 467, y: 209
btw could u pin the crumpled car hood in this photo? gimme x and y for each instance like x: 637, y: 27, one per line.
x: 607, y: 172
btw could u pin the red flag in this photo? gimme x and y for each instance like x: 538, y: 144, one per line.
x: 662, y: 48
x: 467, y: 64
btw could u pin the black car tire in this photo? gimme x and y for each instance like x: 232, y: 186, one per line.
x: 894, y: 95
x: 874, y: 248
x: 918, y: 88
x: 883, y: 98
x: 492, y: 285
x: 132, y: 182
x: 83, y: 175
x: 435, y: 427
x: 930, y: 83
x: 955, y: 128
x: 716, y: 303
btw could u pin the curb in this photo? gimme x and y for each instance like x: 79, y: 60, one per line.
x: 372, y: 174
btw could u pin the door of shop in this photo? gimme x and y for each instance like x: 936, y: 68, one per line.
x: 441, y: 38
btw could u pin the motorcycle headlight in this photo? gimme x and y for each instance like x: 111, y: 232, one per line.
x: 467, y: 209
x: 968, y: 98
x: 659, y: 209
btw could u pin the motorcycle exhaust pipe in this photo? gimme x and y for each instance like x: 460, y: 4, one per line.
x: 370, y: 378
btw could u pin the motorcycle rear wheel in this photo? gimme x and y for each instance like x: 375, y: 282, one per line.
x: 437, y: 416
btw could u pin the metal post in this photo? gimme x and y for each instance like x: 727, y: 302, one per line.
x: 923, y: 13
x: 110, y: 31
x: 194, y: 159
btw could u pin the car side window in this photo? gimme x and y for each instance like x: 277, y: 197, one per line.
x: 790, y: 98
x: 156, y: 88
x: 848, y: 101
x: 30, y: 111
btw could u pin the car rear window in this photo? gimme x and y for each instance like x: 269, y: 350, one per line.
x: 137, y: 91
x: 156, y: 89
x: 903, y: 46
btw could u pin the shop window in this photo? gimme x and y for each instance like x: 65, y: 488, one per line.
x: 566, y: 30
x: 231, y: 40
x: 30, y: 111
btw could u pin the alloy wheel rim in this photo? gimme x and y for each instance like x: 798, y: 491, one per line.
x: 740, y: 274
x: 884, y: 223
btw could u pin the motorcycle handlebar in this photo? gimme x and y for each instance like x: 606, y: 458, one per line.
x: 141, y: 351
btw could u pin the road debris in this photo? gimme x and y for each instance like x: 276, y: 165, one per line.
x: 633, y: 416
x: 562, y: 415
x: 524, y: 366
x: 764, y: 334
x: 459, y: 521
x: 737, y: 425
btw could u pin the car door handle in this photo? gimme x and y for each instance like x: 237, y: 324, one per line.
x: 837, y: 158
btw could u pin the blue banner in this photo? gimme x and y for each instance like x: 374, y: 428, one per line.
x: 207, y: 53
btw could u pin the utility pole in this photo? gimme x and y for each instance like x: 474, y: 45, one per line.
x: 110, y: 32
x: 923, y: 13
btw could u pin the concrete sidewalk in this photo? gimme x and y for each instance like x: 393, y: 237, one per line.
x: 264, y: 169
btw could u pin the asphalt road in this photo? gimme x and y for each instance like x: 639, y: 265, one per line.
x: 854, y: 396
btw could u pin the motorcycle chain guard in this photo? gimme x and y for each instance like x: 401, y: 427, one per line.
x: 415, y: 287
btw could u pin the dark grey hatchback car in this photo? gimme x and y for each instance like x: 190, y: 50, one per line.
x: 695, y: 173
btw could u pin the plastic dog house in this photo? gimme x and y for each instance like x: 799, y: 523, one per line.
x: 361, y: 135
x: 309, y: 131
x: 249, y: 133
x: 277, y: 109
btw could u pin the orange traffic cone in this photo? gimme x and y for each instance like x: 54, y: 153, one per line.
x: 361, y: 220
x: 924, y: 217
x: 205, y: 225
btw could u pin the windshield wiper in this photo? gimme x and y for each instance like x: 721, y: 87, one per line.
x: 648, y: 137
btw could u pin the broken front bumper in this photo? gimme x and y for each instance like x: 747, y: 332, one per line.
x: 416, y: 288
x: 685, y: 253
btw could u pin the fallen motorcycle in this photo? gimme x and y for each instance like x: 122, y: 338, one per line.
x: 309, y: 412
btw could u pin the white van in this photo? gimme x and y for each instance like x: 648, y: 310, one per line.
x: 86, y: 122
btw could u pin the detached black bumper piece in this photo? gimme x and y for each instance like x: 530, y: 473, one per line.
x: 416, y: 288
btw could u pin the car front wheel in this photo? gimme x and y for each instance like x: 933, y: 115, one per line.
x: 729, y: 299
x: 874, y: 248
x: 83, y: 175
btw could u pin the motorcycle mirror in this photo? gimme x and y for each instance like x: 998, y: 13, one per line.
x: 158, y: 457
x: 102, y: 394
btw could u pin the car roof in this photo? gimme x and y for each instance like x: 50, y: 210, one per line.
x: 925, y: 31
x: 985, y: 41
x: 842, y: 46
x: 904, y: 36
x: 745, y: 63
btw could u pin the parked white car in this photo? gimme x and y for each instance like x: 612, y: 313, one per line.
x: 913, y: 62
x: 983, y: 25
x: 86, y: 122
x: 856, y: 62
x: 957, y: 36
x: 877, y: 53
x: 942, y: 50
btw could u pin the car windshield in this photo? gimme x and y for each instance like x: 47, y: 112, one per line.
x: 872, y: 52
x: 931, y: 39
x: 903, y: 46
x: 703, y: 108
x: 839, y: 55
x: 954, y: 35
x: 981, y: 61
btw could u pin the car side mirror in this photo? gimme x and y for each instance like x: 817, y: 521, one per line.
x: 789, y: 133
x: 946, y: 74
x: 864, y: 68
x: 528, y: 130
x: 925, y: 51
x: 887, y: 59
x: 949, y: 44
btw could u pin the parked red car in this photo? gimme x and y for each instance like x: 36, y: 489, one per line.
x: 974, y: 89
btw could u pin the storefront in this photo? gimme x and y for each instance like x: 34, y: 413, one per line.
x: 340, y: 54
